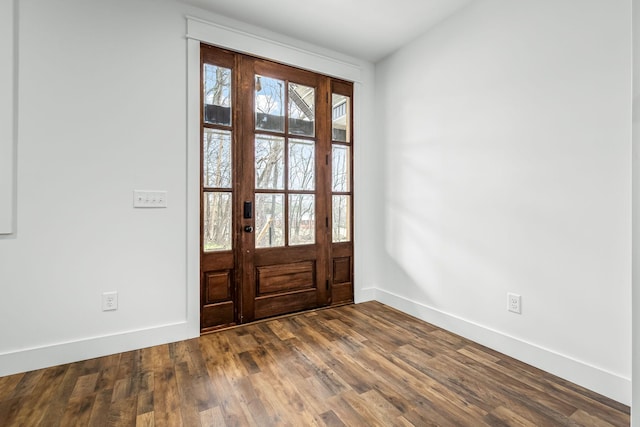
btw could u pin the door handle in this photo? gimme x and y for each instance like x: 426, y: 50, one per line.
x: 248, y: 228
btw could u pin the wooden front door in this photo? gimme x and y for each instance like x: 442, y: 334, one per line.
x: 268, y: 186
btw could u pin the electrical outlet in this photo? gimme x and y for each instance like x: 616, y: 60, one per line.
x: 514, y: 302
x: 109, y: 301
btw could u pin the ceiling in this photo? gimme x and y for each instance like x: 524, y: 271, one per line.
x: 366, y: 29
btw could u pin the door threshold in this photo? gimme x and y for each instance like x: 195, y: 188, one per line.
x: 267, y: 319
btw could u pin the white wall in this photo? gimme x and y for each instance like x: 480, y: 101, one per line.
x: 7, y: 63
x: 102, y: 94
x: 507, y: 137
x: 101, y: 112
x: 635, y: 407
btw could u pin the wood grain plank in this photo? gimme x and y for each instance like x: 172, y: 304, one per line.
x: 330, y: 419
x: 57, y: 407
x: 145, y: 420
x: 212, y: 417
x: 27, y: 383
x: 166, y: 398
x: 100, y: 408
x: 583, y: 418
x: 78, y: 411
x: 8, y: 385
x: 508, y: 417
x: 189, y: 405
x: 43, y: 393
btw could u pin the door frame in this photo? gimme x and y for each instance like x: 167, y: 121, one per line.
x: 243, y: 283
x: 201, y: 31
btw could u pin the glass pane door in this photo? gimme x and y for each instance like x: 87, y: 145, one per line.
x: 217, y: 185
x: 285, y: 169
x: 341, y: 193
x: 276, y: 189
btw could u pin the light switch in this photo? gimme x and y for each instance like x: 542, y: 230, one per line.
x: 149, y: 199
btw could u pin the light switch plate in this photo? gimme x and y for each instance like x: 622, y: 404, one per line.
x: 149, y: 199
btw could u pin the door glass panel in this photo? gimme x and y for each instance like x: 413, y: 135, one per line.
x: 269, y: 104
x: 217, y: 95
x: 216, y: 158
x: 216, y: 233
x: 340, y: 168
x: 340, y: 118
x: 269, y: 162
x: 302, y: 101
x: 301, y: 165
x: 269, y: 220
x: 341, y: 218
x: 302, y: 219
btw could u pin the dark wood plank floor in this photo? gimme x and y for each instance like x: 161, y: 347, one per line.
x: 356, y: 365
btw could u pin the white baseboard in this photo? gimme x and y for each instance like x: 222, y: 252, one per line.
x: 364, y: 295
x: 69, y: 352
x: 585, y: 375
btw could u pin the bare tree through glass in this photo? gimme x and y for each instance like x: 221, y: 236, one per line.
x: 217, y: 159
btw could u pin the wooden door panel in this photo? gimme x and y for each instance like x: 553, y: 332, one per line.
x: 214, y: 316
x: 275, y: 305
x: 218, y: 290
x: 217, y: 262
x: 285, y: 72
x: 342, y: 270
x: 342, y: 273
x: 341, y: 293
x: 217, y: 286
x: 285, y: 278
x: 288, y: 255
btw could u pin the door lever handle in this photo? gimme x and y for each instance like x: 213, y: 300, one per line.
x: 248, y: 228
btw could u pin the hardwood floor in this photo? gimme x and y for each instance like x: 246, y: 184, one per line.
x: 356, y: 365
